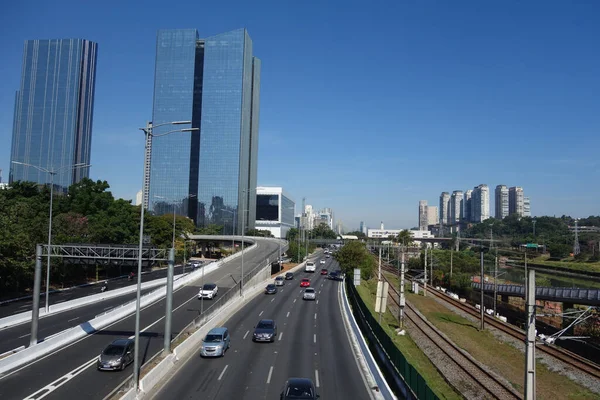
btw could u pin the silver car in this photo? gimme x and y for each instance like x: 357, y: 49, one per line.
x: 117, y: 355
x: 215, y: 343
x: 309, y: 294
x: 279, y: 281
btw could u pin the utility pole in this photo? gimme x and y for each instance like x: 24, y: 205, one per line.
x: 482, y: 308
x: 495, y: 281
x: 169, y: 302
x: 431, y: 266
x: 379, y: 270
x: 402, y: 298
x: 530, y: 347
x: 425, y: 273
x: 451, y: 254
x: 576, y: 249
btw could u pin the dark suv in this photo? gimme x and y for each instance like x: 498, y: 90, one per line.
x: 265, y: 331
x: 289, y: 276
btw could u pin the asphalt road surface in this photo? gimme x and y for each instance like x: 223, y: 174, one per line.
x: 311, y: 343
x: 71, y: 371
x: 20, y: 306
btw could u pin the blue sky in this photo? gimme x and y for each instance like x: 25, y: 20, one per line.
x: 366, y: 107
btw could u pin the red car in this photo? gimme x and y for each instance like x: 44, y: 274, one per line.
x: 305, y: 282
x: 324, y: 271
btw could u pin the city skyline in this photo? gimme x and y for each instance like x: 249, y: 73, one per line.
x: 467, y: 84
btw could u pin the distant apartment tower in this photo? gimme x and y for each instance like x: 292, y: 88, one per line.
x: 468, y: 205
x: 433, y: 217
x: 422, y: 215
x: 515, y: 201
x: 444, y: 208
x: 456, y: 207
x: 501, y: 202
x: 480, y: 202
x: 526, y: 207
x: 53, y: 114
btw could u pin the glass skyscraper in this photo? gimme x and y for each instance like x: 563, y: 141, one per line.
x: 52, y: 126
x: 208, y: 175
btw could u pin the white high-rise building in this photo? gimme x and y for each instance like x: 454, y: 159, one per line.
x: 468, y: 205
x: 456, y: 207
x: 274, y: 211
x: 501, y: 202
x: 526, y: 207
x: 139, y: 197
x: 423, y: 215
x: 480, y: 202
x: 444, y: 208
x: 515, y: 201
x: 433, y: 216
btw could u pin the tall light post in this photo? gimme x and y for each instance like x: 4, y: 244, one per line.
x: 51, y: 172
x: 246, y: 193
x: 232, y: 229
x: 148, y: 134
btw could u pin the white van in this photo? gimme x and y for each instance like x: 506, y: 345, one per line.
x: 310, y: 267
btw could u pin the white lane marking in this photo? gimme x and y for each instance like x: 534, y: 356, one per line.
x: 295, y: 300
x: 61, y: 381
x: 108, y: 308
x: 247, y: 332
x: 315, y: 315
x: 319, y: 292
x: 272, y: 299
x: 317, y: 301
x: 25, y: 306
x: 317, y: 377
x: 270, y: 373
x: 315, y: 338
x: 288, y: 314
x: 261, y: 313
x: 223, y: 373
x: 73, y: 319
x: 21, y: 337
x: 280, y: 335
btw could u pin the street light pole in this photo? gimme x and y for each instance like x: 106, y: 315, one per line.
x: 148, y: 133
x: 51, y: 172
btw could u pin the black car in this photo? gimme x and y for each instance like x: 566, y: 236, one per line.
x: 299, y: 388
x: 271, y: 289
x: 117, y: 355
x: 265, y: 331
x: 336, y: 276
x: 289, y: 276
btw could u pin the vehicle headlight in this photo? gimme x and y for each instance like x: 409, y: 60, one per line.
x: 115, y: 362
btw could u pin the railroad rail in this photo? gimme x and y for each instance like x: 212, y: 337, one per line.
x: 486, y: 380
x: 567, y: 357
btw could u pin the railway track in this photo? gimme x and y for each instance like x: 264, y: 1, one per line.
x: 563, y: 355
x: 487, y: 383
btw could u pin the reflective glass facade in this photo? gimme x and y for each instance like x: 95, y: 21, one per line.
x: 53, y: 115
x: 213, y: 82
x: 267, y: 207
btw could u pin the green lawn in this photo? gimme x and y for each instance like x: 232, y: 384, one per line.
x: 409, y: 349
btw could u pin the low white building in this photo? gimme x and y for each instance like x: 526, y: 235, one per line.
x: 274, y: 211
x: 382, y: 233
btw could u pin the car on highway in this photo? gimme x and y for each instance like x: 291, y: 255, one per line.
x: 117, y: 355
x: 327, y: 255
x: 289, y: 276
x: 271, y: 289
x: 309, y: 294
x: 310, y: 267
x: 265, y: 331
x: 324, y: 271
x: 299, y: 388
x: 305, y: 282
x: 279, y: 281
x: 216, y: 342
x: 208, y: 291
x: 322, y: 261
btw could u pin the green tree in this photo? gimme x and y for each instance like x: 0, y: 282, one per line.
x: 355, y: 255
x: 323, y: 231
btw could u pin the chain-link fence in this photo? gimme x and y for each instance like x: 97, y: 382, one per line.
x: 377, y: 336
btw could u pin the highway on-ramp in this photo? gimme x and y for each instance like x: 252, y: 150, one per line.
x: 71, y: 371
x: 312, y: 343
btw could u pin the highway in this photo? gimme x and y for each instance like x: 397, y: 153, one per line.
x: 19, y: 306
x: 312, y: 342
x: 72, y: 369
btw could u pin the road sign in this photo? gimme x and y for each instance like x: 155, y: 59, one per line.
x: 532, y: 245
x: 356, y: 276
x: 381, y: 300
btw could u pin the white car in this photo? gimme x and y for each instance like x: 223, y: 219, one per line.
x: 310, y: 267
x: 322, y: 261
x: 309, y: 294
x: 279, y: 281
x: 208, y: 291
